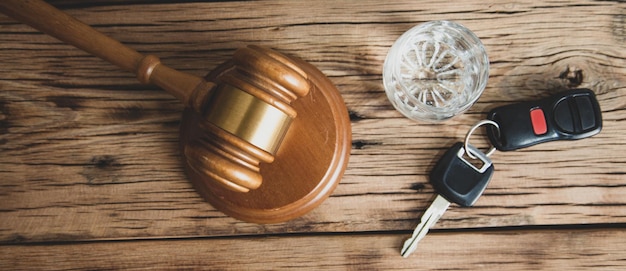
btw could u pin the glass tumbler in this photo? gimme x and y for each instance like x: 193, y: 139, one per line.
x: 435, y: 71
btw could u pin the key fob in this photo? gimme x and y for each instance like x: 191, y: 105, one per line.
x: 458, y: 180
x: 569, y: 115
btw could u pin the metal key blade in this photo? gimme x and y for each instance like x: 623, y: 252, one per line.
x: 430, y: 217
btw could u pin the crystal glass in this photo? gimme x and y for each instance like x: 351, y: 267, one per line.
x: 435, y: 71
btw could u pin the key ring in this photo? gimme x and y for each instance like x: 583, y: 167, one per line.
x: 469, y: 133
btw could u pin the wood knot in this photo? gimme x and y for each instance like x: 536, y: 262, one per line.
x: 417, y: 186
x: 573, y: 76
x: 104, y: 161
x: 361, y: 144
x: 355, y: 116
x: 102, y: 170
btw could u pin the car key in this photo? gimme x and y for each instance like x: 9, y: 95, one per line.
x: 569, y: 115
x: 456, y: 180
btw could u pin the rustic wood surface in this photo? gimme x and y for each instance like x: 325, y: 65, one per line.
x: 90, y: 174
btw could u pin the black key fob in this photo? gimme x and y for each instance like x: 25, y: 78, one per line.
x: 458, y: 180
x: 569, y: 115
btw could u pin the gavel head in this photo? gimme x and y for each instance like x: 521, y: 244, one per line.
x: 244, y: 117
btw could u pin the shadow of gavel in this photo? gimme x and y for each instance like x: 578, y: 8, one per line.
x: 244, y: 113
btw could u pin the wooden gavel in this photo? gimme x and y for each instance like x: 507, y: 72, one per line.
x: 245, y: 112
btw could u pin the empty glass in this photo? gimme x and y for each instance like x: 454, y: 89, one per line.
x: 435, y: 71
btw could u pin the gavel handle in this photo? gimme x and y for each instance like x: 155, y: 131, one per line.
x: 46, y: 18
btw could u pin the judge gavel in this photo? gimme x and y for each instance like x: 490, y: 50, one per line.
x: 244, y: 114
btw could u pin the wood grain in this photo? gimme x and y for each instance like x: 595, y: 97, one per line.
x: 88, y: 154
x: 498, y: 250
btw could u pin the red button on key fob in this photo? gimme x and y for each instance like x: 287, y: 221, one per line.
x: 538, y: 121
x: 569, y: 115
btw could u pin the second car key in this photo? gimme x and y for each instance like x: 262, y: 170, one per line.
x: 455, y: 179
x: 569, y: 115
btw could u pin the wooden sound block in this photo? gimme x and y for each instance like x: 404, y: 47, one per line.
x: 307, y: 167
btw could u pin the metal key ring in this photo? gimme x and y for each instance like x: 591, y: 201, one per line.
x: 469, y: 133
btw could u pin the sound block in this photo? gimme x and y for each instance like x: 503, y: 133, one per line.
x: 307, y: 167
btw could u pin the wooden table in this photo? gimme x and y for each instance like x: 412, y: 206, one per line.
x: 90, y: 176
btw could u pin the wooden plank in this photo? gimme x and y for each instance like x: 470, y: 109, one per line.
x: 500, y: 250
x: 87, y: 153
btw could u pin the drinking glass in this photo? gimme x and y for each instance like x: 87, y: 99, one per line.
x: 435, y: 71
